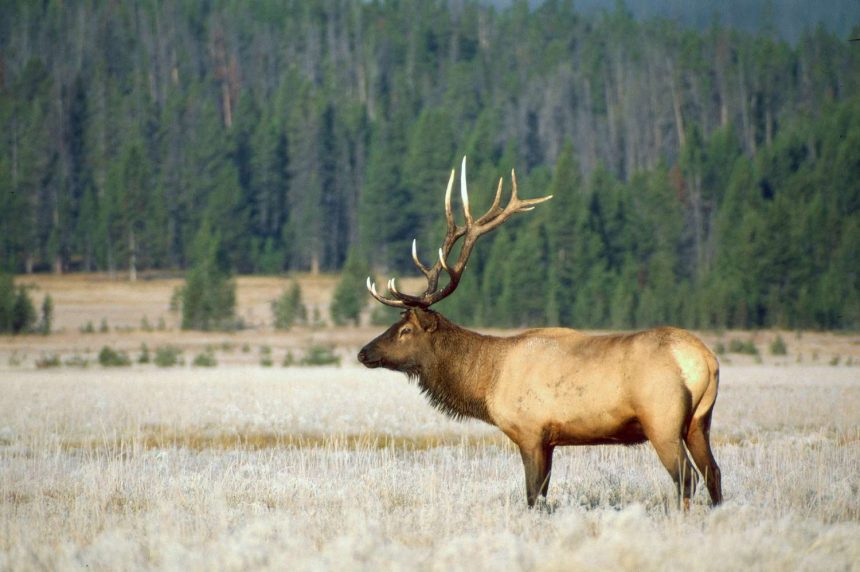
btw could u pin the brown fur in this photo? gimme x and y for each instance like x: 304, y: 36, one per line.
x: 555, y: 386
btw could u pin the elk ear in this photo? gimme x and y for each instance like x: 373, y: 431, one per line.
x: 427, y: 320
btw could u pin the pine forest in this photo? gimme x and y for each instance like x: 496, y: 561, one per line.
x: 706, y: 178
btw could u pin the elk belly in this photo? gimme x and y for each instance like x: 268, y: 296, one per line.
x: 564, y: 409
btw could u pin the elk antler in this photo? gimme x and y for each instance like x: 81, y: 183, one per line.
x: 471, y: 230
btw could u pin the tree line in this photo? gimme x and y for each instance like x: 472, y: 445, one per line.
x: 702, y: 178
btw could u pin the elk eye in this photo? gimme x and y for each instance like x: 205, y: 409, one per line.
x: 405, y: 331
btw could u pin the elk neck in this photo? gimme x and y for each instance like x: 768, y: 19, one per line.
x: 461, y: 370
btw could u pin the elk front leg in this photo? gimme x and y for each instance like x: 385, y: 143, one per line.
x: 537, y: 461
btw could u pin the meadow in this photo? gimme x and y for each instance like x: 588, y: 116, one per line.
x: 249, y: 467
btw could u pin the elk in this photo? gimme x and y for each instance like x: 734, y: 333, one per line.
x: 547, y: 387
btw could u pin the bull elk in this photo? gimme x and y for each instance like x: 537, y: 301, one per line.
x: 547, y: 387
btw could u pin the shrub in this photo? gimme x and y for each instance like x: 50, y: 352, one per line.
x: 720, y: 348
x: 104, y: 328
x: 167, y: 356
x: 87, y: 328
x: 288, y: 309
x: 289, y: 359
x: 109, y: 357
x: 77, y: 360
x: 316, y: 318
x: 144, y: 354
x: 205, y: 359
x: 320, y: 355
x: 778, y: 347
x: 47, y: 361
x: 266, y: 356
x: 743, y: 347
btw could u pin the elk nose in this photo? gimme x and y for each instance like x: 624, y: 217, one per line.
x: 362, y: 355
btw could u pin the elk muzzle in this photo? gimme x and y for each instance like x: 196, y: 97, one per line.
x: 368, y: 356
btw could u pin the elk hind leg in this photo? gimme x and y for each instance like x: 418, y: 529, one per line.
x: 537, y: 461
x: 699, y: 445
x: 670, y: 450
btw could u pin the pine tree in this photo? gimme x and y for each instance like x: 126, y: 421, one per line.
x: 562, y: 221
x: 208, y: 298
x: 23, y: 312
x: 426, y: 168
x: 47, y: 318
x: 289, y: 309
x: 7, y: 301
x: 350, y: 296
x: 383, y: 229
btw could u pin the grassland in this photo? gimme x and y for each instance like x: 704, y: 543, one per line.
x: 245, y: 467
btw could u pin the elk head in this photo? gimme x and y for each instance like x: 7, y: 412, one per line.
x: 408, y: 344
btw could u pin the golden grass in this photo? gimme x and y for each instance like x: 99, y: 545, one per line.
x: 165, y: 437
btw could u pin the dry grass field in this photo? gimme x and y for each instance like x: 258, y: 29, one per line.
x: 246, y: 467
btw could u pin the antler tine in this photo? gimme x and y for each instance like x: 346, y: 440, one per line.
x: 515, y: 205
x: 449, y: 215
x: 495, y: 209
x: 527, y: 204
x: 371, y: 287
x: 464, y: 193
x: 443, y: 262
x: 424, y: 270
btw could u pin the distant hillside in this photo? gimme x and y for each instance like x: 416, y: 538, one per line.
x: 788, y: 19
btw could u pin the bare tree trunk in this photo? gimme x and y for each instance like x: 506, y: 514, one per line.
x: 132, y: 256
x: 676, y: 106
x: 315, y: 263
x: 720, y: 64
x: 749, y: 133
x: 657, y: 131
x: 227, y: 105
x: 611, y: 116
x: 698, y: 222
x: 768, y: 125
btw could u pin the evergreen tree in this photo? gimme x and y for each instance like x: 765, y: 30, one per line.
x: 563, y: 220
x: 7, y: 302
x: 383, y: 228
x: 208, y: 298
x: 289, y: 309
x: 350, y: 296
x: 23, y: 312
x: 47, y: 318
